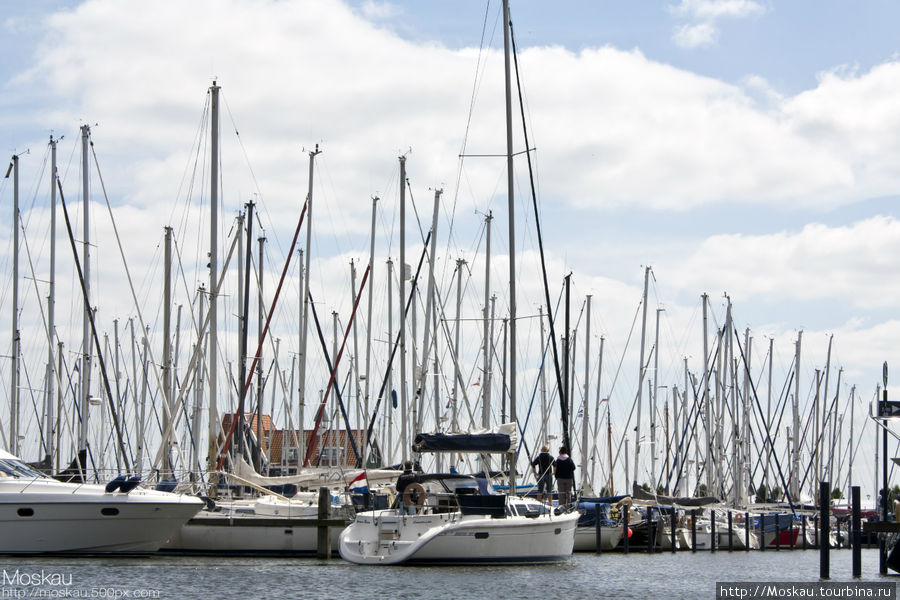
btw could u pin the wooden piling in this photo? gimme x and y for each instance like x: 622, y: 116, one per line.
x: 855, y: 535
x: 824, y: 546
x: 323, y: 540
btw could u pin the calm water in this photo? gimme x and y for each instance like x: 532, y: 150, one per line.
x: 682, y: 575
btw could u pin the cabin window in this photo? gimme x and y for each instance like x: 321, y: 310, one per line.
x: 109, y: 511
x: 25, y: 512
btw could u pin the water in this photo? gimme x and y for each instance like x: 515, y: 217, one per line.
x: 641, y: 576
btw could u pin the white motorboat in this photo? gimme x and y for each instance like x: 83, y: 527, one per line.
x: 267, y: 525
x: 40, y: 515
x: 452, y: 522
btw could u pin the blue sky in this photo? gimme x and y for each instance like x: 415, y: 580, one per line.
x: 737, y: 146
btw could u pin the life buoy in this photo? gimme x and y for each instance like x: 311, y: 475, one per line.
x: 408, y: 495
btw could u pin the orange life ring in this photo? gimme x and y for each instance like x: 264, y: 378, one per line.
x: 419, y: 489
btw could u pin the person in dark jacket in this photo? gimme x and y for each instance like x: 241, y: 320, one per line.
x: 403, y: 481
x: 564, y: 470
x: 542, y: 466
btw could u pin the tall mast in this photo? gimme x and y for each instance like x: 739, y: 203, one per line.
x: 429, y: 311
x: 213, y: 278
x: 86, y: 346
x: 585, y: 419
x: 637, y: 429
x: 14, y: 370
x: 454, y: 417
x: 369, y: 327
x: 389, y: 448
x: 654, y: 402
x: 795, y: 450
x: 708, y: 455
x: 51, y: 313
x: 486, y: 351
x: 304, y: 290
x: 512, y: 237
x: 404, y: 434
x: 260, y: 323
x: 168, y: 401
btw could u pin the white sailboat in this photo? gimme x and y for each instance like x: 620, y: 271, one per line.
x: 40, y: 515
x: 453, y: 519
x: 452, y: 523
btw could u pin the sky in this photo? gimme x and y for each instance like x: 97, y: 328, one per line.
x: 739, y: 147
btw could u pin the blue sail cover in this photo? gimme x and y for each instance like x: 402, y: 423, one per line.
x: 462, y: 442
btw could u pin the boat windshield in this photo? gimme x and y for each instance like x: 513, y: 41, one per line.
x: 16, y: 468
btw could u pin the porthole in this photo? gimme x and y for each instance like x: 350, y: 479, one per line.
x: 109, y: 512
x: 25, y: 512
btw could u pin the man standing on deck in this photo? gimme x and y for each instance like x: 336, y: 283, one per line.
x: 564, y: 470
x: 542, y: 466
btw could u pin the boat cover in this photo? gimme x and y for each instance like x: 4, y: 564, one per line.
x: 502, y: 439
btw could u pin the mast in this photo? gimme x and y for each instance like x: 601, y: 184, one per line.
x: 260, y: 322
x: 198, y: 392
x: 213, y: 280
x: 585, y: 419
x: 14, y: 368
x: 51, y: 313
x: 486, y: 351
x: 795, y: 450
x: 369, y: 329
x: 168, y: 403
x: 389, y: 449
x: 86, y: 347
x: 304, y: 291
x: 653, y: 404
x: 429, y: 311
x: 637, y: 429
x: 404, y: 434
x: 454, y: 417
x: 706, y: 407
x: 512, y: 237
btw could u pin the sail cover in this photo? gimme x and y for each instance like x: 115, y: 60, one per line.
x: 501, y: 439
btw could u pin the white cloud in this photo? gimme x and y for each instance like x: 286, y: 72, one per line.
x: 711, y: 10
x: 815, y: 264
x: 696, y: 35
x: 379, y: 10
x: 703, y: 15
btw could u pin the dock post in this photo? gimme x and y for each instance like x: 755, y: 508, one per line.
x: 791, y: 541
x: 651, y: 531
x: 597, y: 535
x: 673, y: 525
x: 777, y: 531
x: 693, y: 530
x: 746, y: 532
x: 762, y: 532
x: 817, y: 531
x: 803, y: 531
x: 824, y: 546
x: 323, y: 541
x: 626, y: 538
x: 712, y: 530
x: 855, y: 538
x: 730, y: 532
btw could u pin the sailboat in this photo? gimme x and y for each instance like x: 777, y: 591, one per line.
x: 455, y: 518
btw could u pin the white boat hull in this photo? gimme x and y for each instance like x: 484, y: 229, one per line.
x: 386, y: 537
x: 46, y: 516
x: 266, y: 526
x: 586, y: 538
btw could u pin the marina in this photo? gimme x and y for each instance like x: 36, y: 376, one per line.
x: 258, y: 373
